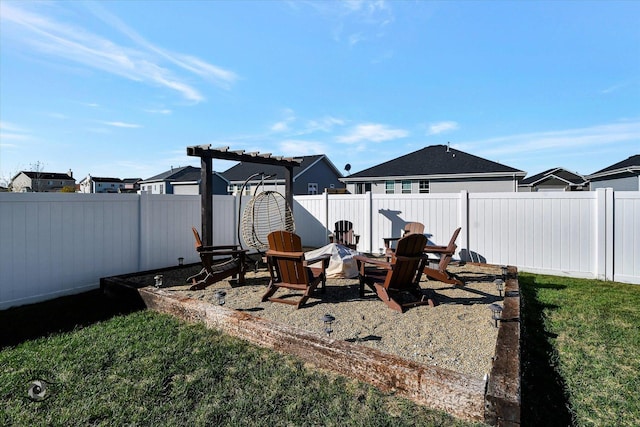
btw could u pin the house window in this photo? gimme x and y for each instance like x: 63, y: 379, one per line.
x: 362, y: 188
x: 312, y: 188
x: 424, y: 186
x: 406, y: 187
x: 389, y: 187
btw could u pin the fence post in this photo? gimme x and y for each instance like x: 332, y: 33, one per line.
x: 610, y: 234
x: 143, y: 223
x: 603, y: 252
x: 463, y: 220
x: 368, y: 215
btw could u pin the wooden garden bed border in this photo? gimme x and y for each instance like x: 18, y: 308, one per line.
x: 495, y: 401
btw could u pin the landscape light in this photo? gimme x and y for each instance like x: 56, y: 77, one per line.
x: 180, y: 261
x: 496, y: 313
x: 328, y: 320
x: 220, y: 297
x: 499, y: 285
x: 505, y: 272
x: 158, y: 280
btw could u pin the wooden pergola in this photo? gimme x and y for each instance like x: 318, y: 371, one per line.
x: 207, y: 154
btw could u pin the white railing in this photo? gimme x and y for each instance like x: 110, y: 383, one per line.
x: 53, y: 244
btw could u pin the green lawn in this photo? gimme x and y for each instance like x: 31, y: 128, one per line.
x: 146, y: 368
x: 582, y: 349
x: 107, y: 364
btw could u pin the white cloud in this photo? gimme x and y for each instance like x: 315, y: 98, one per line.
x: 122, y: 125
x: 164, y: 111
x: 441, y: 127
x: 570, y: 139
x: 325, y: 124
x: 11, y: 132
x: 372, y: 132
x: 142, y: 63
x: 296, y: 147
x: 280, y: 127
x: 283, y: 125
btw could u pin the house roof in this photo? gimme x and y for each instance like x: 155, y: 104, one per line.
x: 47, y: 175
x: 630, y: 166
x: 105, y: 179
x: 435, y: 160
x: 243, y: 170
x: 131, y: 180
x: 185, y: 173
x: 555, y: 173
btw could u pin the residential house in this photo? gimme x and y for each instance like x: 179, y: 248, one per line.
x: 94, y: 184
x: 182, y: 180
x: 621, y: 176
x: 35, y: 181
x: 315, y: 174
x: 556, y: 179
x: 435, y: 169
x: 131, y: 185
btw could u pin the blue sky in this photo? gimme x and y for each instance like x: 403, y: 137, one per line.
x: 121, y: 88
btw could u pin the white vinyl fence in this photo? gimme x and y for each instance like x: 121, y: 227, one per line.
x: 53, y: 244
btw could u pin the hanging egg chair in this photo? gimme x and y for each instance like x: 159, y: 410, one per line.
x: 267, y: 211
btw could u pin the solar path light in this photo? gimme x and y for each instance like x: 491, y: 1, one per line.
x: 220, y: 296
x: 328, y: 320
x: 499, y: 285
x: 496, y: 313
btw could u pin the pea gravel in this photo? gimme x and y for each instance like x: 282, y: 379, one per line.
x: 457, y: 334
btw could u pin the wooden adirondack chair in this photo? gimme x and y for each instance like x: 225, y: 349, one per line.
x: 409, y: 228
x: 397, y: 283
x: 214, y: 268
x: 445, y: 254
x: 343, y: 234
x: 289, y: 269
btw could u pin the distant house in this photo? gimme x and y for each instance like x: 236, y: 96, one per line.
x: 435, y: 169
x: 182, y: 180
x: 621, y: 176
x: 28, y: 181
x: 314, y: 175
x: 131, y: 185
x: 94, y: 184
x: 556, y: 179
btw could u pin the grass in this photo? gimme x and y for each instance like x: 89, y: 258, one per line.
x: 581, y: 351
x: 107, y: 364
x: 145, y: 368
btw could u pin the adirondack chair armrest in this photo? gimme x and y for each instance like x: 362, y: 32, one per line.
x: 436, y: 249
x: 388, y: 240
x: 217, y: 247
x: 322, y: 258
x: 373, y: 261
x: 288, y: 255
x: 224, y: 251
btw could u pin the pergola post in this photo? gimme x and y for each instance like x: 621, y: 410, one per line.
x: 288, y: 187
x: 206, y: 200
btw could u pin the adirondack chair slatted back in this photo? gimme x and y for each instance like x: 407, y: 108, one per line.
x: 413, y: 228
x: 451, y: 250
x: 196, y: 235
x: 408, y: 262
x: 290, y: 271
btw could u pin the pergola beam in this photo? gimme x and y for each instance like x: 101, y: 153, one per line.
x: 207, y: 154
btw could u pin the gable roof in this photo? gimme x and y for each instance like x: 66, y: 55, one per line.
x: 555, y: 173
x: 185, y: 173
x: 47, y: 175
x: 628, y: 166
x: 243, y: 170
x: 436, y: 161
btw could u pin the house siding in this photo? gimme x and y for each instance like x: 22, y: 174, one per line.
x: 498, y: 185
x: 629, y: 183
x: 322, y: 174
